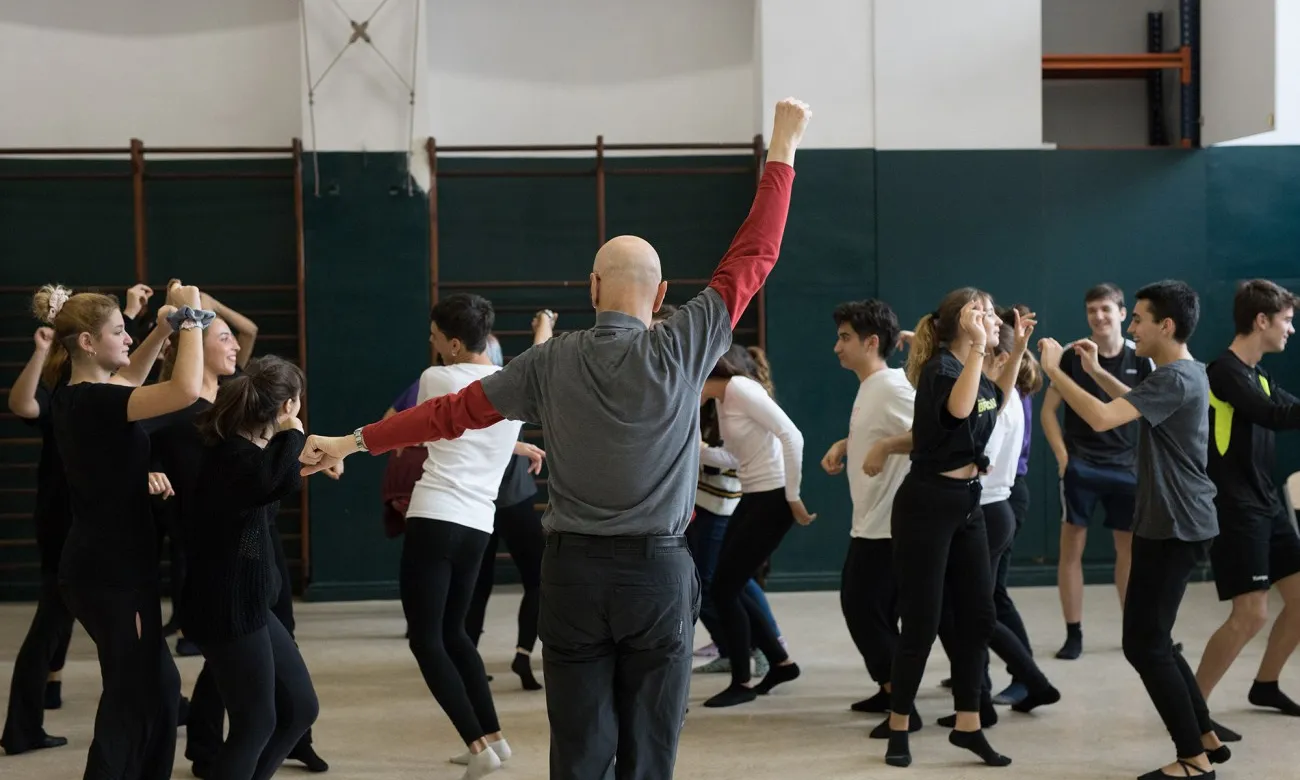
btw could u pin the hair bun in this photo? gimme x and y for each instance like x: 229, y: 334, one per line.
x: 49, y: 301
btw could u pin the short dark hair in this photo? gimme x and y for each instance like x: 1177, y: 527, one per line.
x: 666, y: 310
x: 1173, y: 300
x: 1105, y: 292
x: 466, y: 317
x: 1259, y: 296
x: 869, y: 318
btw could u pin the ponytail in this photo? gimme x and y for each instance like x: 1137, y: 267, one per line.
x: 1030, y: 378
x: 250, y: 403
x: 924, y: 344
x: 762, y: 370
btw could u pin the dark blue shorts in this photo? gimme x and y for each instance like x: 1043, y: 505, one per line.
x: 1085, y: 485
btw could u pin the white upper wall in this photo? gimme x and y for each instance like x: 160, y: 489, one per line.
x: 956, y: 74
x: 180, y: 72
x: 565, y: 71
x: 820, y: 51
x: 1287, y: 85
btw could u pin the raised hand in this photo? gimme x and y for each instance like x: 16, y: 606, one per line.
x: 904, y: 339
x: 1086, y: 349
x: 325, y: 452
x: 44, y: 338
x: 833, y: 461
x: 1049, y: 354
x: 136, y: 297
x: 971, y: 321
x: 163, y: 313
x: 787, y: 129
x: 1024, y: 327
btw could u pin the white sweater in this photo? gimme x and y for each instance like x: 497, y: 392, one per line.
x: 1003, y: 451
x: 758, y: 440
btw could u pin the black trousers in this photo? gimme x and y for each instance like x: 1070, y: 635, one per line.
x: 869, y: 601
x: 756, y: 529
x: 521, y: 528
x: 1007, y: 613
x: 45, y: 646
x: 939, y: 538
x: 440, y: 564
x: 617, y: 628
x: 1161, y: 571
x: 263, y: 683
x: 205, y: 726
x: 135, y: 725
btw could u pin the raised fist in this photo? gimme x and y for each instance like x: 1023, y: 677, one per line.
x: 791, y: 119
x: 44, y: 338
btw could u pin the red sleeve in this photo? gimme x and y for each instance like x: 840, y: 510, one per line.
x: 754, y: 250
x: 444, y: 417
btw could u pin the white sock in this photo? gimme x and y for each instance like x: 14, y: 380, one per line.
x: 482, y: 765
x: 500, y: 747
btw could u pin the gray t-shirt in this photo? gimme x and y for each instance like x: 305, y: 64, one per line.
x: 1175, y: 497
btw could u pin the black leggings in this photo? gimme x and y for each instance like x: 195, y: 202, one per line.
x: 1008, y: 615
x: 1161, y: 570
x: 522, y: 530
x: 869, y: 601
x: 440, y: 563
x: 939, y: 538
x: 135, y: 725
x: 757, y: 527
x: 205, y: 726
x: 46, y: 644
x: 264, y: 685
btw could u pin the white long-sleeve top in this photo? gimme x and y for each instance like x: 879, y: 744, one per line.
x: 1003, y: 451
x: 759, y: 440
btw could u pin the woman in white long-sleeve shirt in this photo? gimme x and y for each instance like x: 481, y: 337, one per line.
x: 766, y: 449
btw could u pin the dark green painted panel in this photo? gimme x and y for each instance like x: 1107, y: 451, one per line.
x: 827, y: 257
x: 367, y: 340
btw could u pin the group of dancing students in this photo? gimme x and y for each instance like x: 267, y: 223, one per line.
x: 935, y: 459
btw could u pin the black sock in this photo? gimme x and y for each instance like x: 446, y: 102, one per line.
x: 1073, y: 647
x: 898, y: 753
x: 975, y: 742
x: 53, y: 694
x: 777, y: 675
x: 306, y: 754
x: 1048, y: 695
x: 1224, y: 733
x: 988, y: 718
x: 522, y: 666
x: 1267, y: 694
x: 733, y: 695
x: 883, y: 731
x: 877, y: 703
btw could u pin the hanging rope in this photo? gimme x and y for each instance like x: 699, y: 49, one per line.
x: 415, y: 71
x: 311, y: 98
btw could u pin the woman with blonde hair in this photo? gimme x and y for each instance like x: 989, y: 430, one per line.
x: 109, y: 567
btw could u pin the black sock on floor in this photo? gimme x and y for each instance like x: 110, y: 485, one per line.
x: 522, y: 666
x: 1267, y: 694
x: 53, y: 694
x: 306, y: 755
x: 883, y: 731
x: 877, y: 703
x: 975, y: 742
x: 1224, y: 733
x: 1041, y: 698
x: 733, y: 695
x: 1073, y: 647
x: 776, y: 675
x: 898, y: 753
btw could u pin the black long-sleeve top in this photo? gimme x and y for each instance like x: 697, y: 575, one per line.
x: 232, y: 573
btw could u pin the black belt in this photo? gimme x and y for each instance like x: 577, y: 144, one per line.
x: 610, y: 546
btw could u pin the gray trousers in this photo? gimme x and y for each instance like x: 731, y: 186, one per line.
x: 617, y: 625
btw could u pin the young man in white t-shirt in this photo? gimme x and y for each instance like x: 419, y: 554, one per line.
x: 867, y: 332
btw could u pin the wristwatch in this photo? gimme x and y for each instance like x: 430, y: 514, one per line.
x: 360, y: 441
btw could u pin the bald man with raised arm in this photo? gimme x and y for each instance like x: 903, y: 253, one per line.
x: 620, y: 407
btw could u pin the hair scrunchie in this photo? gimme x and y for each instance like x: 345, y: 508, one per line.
x: 201, y: 317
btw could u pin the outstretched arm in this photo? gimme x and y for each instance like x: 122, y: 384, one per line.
x: 754, y: 250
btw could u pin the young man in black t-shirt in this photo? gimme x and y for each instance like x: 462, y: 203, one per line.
x: 1095, y: 467
x: 1258, y: 547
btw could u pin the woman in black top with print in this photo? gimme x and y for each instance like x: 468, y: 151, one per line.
x: 252, y: 441
x: 109, y: 566
x: 937, y: 524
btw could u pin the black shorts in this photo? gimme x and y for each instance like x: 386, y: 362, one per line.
x: 1251, y: 554
x: 1084, y: 486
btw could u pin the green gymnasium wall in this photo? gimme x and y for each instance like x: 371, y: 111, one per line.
x: 80, y: 232
x: 1030, y: 226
